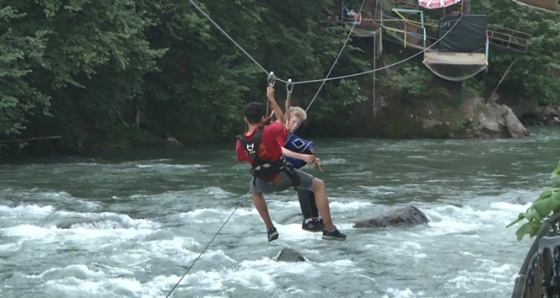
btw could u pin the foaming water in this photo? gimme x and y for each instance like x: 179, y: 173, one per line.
x: 131, y: 226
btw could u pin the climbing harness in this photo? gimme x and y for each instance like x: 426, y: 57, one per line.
x: 264, y: 168
x: 260, y: 168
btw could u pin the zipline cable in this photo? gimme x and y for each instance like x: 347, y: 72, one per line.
x: 325, y: 79
x: 231, y: 39
x: 386, y: 66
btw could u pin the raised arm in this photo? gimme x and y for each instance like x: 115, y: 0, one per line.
x: 275, y: 107
x: 287, y: 110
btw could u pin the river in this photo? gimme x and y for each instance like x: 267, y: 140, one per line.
x: 131, y: 224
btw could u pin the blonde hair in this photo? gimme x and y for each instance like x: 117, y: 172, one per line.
x: 298, y: 112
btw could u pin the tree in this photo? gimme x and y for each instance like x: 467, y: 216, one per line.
x: 90, y: 59
x: 19, y: 54
x: 537, y: 71
x: 206, y: 78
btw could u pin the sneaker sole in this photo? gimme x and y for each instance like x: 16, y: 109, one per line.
x: 333, y: 238
x: 314, y: 230
x: 273, y: 236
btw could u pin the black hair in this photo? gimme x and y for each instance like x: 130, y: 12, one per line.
x: 254, y: 112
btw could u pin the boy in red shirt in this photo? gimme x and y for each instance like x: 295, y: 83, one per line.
x: 261, y: 146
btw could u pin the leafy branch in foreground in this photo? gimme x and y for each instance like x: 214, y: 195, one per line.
x: 546, y: 204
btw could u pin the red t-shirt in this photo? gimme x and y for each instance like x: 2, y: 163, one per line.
x: 273, y: 138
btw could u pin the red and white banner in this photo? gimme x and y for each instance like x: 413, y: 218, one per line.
x: 434, y: 4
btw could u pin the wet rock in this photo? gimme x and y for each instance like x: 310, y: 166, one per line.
x: 407, y: 216
x: 545, y: 115
x: 172, y: 142
x: 524, y: 199
x: 491, y: 120
x: 289, y: 255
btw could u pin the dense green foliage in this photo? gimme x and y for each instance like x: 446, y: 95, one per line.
x: 546, y: 204
x: 84, y: 59
x: 20, y: 52
x: 96, y: 72
x: 535, y: 73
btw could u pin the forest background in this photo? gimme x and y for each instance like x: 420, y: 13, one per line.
x: 86, y: 75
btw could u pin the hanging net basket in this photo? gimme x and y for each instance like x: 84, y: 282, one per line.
x: 453, y: 72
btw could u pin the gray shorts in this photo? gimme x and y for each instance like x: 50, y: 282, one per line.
x: 281, y: 183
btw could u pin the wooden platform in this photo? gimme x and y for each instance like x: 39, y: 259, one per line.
x: 455, y: 58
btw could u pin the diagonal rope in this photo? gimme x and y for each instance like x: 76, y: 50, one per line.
x: 231, y: 39
x: 337, y: 57
x: 205, y: 248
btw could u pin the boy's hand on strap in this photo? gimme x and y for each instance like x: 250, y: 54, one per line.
x: 317, y: 161
x: 309, y: 158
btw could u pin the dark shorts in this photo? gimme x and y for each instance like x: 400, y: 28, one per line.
x: 282, y: 182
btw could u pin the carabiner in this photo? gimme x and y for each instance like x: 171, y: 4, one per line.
x: 289, y: 86
x: 271, y: 79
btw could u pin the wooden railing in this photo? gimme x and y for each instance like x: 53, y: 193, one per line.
x: 508, y: 39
